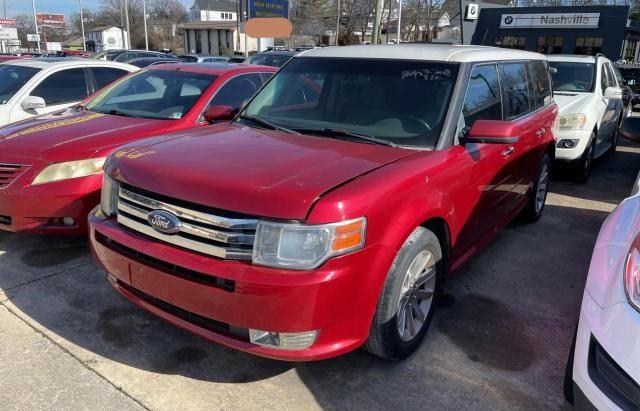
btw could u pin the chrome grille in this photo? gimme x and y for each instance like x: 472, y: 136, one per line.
x: 10, y: 172
x: 201, y: 231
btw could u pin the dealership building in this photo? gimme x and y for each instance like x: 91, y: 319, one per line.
x: 567, y: 30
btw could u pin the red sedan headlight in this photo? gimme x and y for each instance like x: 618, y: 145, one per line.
x: 632, y: 274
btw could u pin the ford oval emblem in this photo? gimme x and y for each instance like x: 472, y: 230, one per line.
x: 164, y: 221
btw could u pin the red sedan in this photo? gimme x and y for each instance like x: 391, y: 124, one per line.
x: 51, y: 166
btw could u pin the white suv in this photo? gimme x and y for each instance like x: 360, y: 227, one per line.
x: 30, y: 87
x: 591, y: 109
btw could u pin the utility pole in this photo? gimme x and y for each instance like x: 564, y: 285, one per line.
x: 146, y: 36
x: 35, y: 21
x: 126, y: 16
x: 376, y: 23
x: 84, y: 40
x: 124, y: 43
x: 461, y: 23
x: 338, y: 25
x: 4, y: 7
x: 398, y: 35
x: 386, y: 37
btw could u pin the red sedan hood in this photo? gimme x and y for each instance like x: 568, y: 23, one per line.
x: 262, y: 173
x: 73, y: 134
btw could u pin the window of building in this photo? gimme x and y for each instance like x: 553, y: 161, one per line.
x: 630, y: 47
x: 588, y: 45
x: 511, y: 42
x: 549, y: 45
x: 513, y: 77
x: 482, y: 100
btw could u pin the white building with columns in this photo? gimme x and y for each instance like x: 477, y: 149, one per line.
x: 213, y: 29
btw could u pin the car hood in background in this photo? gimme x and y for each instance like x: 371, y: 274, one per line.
x: 73, y: 134
x: 571, y: 101
x: 246, y: 170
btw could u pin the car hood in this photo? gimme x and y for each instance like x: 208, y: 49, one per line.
x: 245, y: 170
x: 571, y: 101
x: 73, y: 134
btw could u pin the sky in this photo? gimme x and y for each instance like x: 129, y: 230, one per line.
x: 65, y: 7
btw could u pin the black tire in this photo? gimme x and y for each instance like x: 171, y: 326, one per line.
x: 533, y: 211
x: 567, y: 386
x: 615, y: 138
x: 384, y: 338
x: 581, y: 169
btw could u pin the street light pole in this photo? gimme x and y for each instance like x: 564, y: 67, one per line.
x: 35, y: 21
x: 84, y: 40
x: 146, y: 36
x: 338, y: 25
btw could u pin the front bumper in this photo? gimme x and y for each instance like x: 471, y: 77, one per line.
x: 218, y: 299
x: 608, y: 355
x: 574, y: 153
x: 41, y: 208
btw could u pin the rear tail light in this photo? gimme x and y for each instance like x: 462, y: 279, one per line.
x: 632, y: 274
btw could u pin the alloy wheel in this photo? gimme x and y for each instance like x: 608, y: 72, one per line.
x: 416, y: 295
x: 543, y: 186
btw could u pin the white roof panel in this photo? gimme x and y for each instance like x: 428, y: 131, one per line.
x: 427, y: 52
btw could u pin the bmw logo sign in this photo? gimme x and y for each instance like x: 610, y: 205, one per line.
x: 164, y: 221
x: 508, y: 20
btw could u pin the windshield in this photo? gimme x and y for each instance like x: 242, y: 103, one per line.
x: 188, y: 59
x: 573, y: 76
x: 630, y: 73
x: 160, y: 94
x: 402, y: 102
x: 13, y: 78
x: 273, y: 60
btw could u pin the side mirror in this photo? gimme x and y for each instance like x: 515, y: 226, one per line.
x: 612, y: 92
x: 219, y: 113
x: 33, y: 102
x: 492, y: 132
x: 630, y: 128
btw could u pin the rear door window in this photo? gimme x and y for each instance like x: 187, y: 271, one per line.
x: 63, y: 87
x: 106, y: 75
x: 237, y: 91
x: 539, y: 84
x: 515, y: 89
x: 483, y: 100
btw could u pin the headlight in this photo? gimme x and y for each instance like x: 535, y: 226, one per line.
x: 109, y: 196
x: 572, y: 121
x: 69, y: 169
x: 303, y: 247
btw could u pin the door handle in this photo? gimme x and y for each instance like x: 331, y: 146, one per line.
x: 508, y: 151
x: 540, y: 132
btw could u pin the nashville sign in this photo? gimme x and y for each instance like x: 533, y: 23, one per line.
x: 550, y: 20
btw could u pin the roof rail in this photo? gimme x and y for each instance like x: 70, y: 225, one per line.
x: 598, y: 55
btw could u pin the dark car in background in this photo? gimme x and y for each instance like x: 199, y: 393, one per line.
x: 152, y: 61
x: 195, y: 58
x: 631, y: 76
x: 272, y: 58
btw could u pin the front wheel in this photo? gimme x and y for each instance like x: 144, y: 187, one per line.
x: 582, y: 167
x: 535, y: 206
x: 407, y: 301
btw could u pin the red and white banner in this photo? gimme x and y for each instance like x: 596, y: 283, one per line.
x: 50, y: 20
x: 7, y: 22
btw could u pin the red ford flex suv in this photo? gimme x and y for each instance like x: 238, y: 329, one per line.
x: 325, y: 215
x: 51, y: 165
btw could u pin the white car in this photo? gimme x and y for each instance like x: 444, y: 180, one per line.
x: 603, y: 370
x: 31, y: 87
x: 591, y: 109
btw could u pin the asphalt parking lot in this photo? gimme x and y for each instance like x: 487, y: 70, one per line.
x: 499, y: 340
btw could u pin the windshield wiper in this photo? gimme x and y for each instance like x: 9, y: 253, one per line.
x: 344, y: 134
x: 266, y: 124
x: 115, y: 112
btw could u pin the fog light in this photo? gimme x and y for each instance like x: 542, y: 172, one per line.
x: 283, y: 341
x: 68, y: 221
x: 568, y: 143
